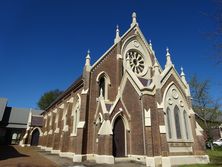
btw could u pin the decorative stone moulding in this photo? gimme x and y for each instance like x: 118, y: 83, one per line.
x: 136, y: 44
x: 181, y: 103
x: 175, y: 94
x: 170, y: 102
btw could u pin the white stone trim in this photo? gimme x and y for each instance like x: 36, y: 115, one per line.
x: 50, y: 132
x: 147, y: 118
x: 62, y: 106
x: 65, y: 128
x: 84, y: 92
x: 104, y: 159
x: 56, y: 130
x: 81, y: 124
x: 40, y: 132
x: 71, y: 100
x: 66, y: 154
x: 180, y: 149
x: 77, y: 158
x: 106, y: 128
x: 162, y: 129
x: 193, y: 159
x: 55, y: 110
x: 48, y: 148
x: 55, y: 151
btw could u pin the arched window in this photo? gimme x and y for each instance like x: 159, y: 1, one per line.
x: 185, y: 117
x: 177, y: 115
x: 103, y: 81
x: 76, y: 115
x: 169, y: 123
x: 177, y: 122
x: 102, y: 86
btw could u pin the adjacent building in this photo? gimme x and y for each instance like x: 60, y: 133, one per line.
x: 14, y: 122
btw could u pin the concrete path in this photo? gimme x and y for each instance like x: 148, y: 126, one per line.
x: 67, y: 162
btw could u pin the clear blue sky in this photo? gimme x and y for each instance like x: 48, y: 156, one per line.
x: 43, y: 43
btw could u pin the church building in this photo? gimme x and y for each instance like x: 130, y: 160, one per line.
x: 126, y: 106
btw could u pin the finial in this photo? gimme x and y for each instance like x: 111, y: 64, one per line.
x: 88, y: 58
x: 133, y: 19
x: 117, y: 38
x: 182, y: 75
x: 156, y: 67
x: 168, y: 57
x: 150, y: 43
x: 155, y: 64
x: 88, y: 54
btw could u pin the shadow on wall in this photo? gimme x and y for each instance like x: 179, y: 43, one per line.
x: 7, y: 152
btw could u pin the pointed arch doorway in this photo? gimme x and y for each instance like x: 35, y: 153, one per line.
x: 35, y: 137
x: 119, y: 138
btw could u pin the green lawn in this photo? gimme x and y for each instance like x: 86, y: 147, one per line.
x: 215, y: 159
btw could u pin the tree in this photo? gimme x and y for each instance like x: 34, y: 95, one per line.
x: 205, y: 107
x: 47, y: 98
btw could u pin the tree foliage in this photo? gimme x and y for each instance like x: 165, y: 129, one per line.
x: 207, y: 108
x: 47, y: 98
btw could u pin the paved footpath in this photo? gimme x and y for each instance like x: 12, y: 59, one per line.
x: 16, y: 156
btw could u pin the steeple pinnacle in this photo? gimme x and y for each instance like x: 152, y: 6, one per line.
x: 88, y: 59
x: 150, y: 43
x: 156, y: 67
x: 133, y: 19
x: 117, y: 38
x: 182, y: 75
x: 168, y: 58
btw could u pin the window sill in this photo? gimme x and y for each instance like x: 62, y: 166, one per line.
x: 180, y: 140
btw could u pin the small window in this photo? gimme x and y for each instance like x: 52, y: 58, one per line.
x: 102, y: 86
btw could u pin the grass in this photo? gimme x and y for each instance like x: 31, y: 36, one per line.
x: 215, y: 159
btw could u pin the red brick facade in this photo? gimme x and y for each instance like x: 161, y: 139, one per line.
x: 139, y: 100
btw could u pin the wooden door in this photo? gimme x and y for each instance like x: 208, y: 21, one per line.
x: 119, y: 138
x: 35, y: 137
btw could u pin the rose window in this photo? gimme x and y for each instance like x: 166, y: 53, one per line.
x: 136, y: 61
